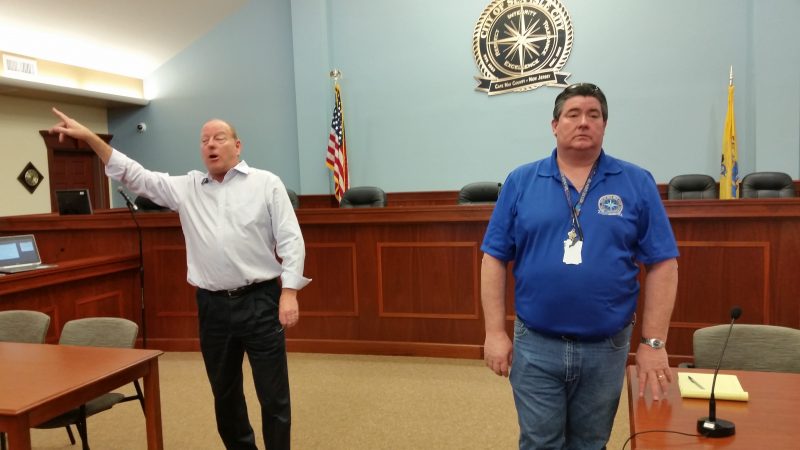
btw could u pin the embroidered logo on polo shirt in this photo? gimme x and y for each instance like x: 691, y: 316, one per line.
x: 609, y: 205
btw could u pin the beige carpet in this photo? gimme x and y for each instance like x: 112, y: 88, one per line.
x: 339, y: 402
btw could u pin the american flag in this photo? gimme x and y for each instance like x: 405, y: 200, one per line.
x: 336, y: 159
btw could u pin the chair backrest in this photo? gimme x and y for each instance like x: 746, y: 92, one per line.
x: 692, y: 187
x: 479, y: 192
x: 767, y: 348
x: 23, y: 326
x: 100, y: 332
x: 363, y: 197
x: 293, y: 198
x: 768, y: 185
x: 145, y: 204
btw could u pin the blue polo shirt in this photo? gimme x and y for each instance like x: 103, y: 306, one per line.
x: 623, y: 221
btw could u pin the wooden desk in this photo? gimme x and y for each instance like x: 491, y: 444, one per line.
x: 405, y: 279
x: 768, y: 420
x: 41, y: 381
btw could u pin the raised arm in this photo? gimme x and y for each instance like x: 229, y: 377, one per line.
x: 74, y: 129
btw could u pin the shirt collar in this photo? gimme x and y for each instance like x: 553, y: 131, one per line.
x: 606, y: 165
x: 241, y: 167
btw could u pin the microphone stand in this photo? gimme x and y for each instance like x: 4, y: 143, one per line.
x: 141, y: 272
x: 711, y: 426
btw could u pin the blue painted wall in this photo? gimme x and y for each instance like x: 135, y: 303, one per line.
x: 240, y: 72
x: 414, y: 121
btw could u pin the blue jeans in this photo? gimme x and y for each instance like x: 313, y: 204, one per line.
x: 566, y: 391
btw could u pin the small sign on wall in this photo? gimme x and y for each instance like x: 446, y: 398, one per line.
x: 520, y: 45
x: 15, y: 65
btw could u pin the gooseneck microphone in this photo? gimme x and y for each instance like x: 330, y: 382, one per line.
x: 711, y: 426
x: 131, y: 205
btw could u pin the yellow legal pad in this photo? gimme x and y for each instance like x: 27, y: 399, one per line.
x: 727, y: 388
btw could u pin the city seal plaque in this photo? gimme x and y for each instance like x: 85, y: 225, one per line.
x: 521, y: 45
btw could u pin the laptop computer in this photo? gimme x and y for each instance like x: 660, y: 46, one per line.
x: 73, y: 201
x: 20, y: 254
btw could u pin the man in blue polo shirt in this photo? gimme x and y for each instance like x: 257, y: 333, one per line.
x: 575, y: 225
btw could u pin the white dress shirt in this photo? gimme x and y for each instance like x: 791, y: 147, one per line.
x: 234, y: 230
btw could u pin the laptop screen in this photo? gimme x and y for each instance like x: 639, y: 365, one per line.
x: 73, y: 201
x: 18, y: 250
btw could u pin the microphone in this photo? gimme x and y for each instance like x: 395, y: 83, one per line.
x: 711, y: 426
x: 132, y: 206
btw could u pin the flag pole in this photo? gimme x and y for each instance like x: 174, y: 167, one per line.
x: 336, y: 157
x: 729, y: 167
x: 334, y: 75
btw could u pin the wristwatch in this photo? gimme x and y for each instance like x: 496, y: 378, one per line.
x: 653, y: 342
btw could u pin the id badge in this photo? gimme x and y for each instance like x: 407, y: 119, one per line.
x: 572, y: 251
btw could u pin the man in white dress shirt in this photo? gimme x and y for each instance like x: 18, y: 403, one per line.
x: 237, y: 221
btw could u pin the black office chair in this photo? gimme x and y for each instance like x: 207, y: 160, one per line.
x: 480, y: 192
x: 768, y: 185
x: 363, y: 197
x: 95, y: 332
x: 692, y: 187
x: 293, y: 198
x: 146, y: 205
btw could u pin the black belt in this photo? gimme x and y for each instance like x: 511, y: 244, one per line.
x: 240, y: 291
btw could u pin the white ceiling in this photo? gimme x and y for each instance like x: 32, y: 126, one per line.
x: 125, y: 37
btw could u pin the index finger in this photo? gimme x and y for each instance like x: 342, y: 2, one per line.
x: 60, y: 114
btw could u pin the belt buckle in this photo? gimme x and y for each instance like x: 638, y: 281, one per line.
x: 234, y: 293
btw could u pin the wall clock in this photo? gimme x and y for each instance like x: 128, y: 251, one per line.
x: 30, y: 177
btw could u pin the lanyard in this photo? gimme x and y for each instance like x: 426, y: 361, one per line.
x: 576, y: 210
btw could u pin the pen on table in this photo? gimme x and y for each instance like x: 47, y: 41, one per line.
x: 695, y: 382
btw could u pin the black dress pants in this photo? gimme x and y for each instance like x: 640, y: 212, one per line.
x: 229, y: 328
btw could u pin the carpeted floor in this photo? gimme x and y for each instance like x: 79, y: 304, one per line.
x: 339, y: 402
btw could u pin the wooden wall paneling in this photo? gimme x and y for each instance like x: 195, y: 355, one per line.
x: 741, y: 252
x: 109, y: 304
x: 428, y: 280
x: 784, y: 308
x: 329, y: 305
x: 103, y: 286
x: 333, y: 291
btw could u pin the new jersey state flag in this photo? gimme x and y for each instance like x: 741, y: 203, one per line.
x: 729, y: 168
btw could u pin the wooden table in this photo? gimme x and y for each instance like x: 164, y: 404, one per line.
x: 768, y: 420
x: 41, y: 381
